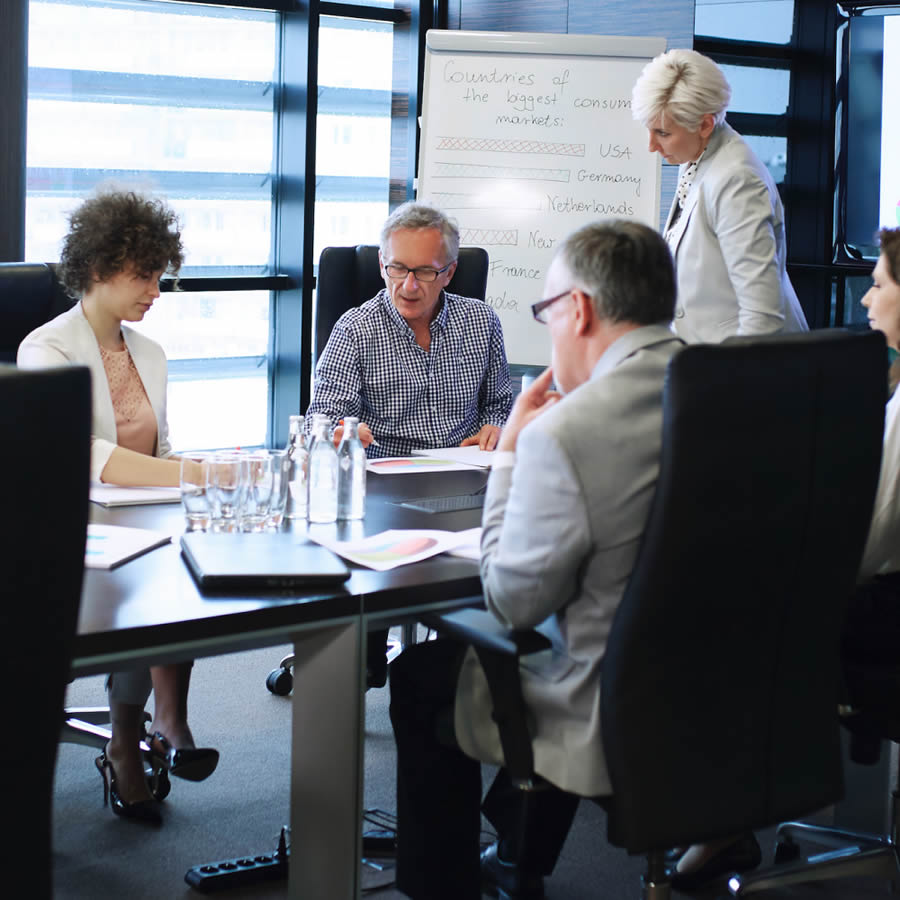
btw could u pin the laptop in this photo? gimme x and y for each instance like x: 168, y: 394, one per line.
x: 241, y: 561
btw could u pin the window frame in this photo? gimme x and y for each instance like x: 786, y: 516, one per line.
x: 291, y: 281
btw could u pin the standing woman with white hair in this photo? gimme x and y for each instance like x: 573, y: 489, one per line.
x: 726, y: 225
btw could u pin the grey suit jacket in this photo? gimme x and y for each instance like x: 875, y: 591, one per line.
x: 561, y: 533
x: 729, y: 248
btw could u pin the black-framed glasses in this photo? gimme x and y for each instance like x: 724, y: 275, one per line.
x: 425, y: 274
x: 539, y: 309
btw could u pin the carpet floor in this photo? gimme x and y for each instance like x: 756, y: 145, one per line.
x: 239, y: 810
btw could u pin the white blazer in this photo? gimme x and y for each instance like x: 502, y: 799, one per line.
x: 69, y: 340
x: 729, y: 248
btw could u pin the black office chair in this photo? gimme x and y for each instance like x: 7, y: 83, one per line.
x: 348, y: 276
x: 45, y: 457
x: 721, y: 677
x: 30, y: 295
x: 871, y: 713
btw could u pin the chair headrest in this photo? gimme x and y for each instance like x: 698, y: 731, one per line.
x: 30, y: 295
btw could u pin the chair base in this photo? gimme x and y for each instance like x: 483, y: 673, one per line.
x: 280, y: 680
x: 854, y: 854
x: 89, y: 727
x: 655, y: 883
x: 84, y: 725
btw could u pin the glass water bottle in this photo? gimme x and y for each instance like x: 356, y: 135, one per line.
x: 299, y: 470
x: 352, y: 473
x: 323, y: 474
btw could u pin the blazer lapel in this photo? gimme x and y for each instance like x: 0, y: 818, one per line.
x: 719, y: 136
x: 671, y: 215
x: 681, y: 225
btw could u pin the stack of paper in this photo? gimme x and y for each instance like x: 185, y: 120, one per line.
x: 397, y: 547
x: 470, y: 548
x: 442, y: 459
x: 405, y: 465
x: 470, y: 456
x: 113, y: 495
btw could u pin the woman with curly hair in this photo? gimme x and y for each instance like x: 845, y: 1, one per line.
x: 118, y: 246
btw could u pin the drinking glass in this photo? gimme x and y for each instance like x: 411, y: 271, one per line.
x: 258, y: 477
x: 281, y: 476
x: 226, y: 478
x: 195, y: 494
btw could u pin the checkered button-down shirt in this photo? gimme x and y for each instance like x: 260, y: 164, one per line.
x: 413, y: 398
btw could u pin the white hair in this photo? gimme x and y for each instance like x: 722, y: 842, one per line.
x: 682, y: 84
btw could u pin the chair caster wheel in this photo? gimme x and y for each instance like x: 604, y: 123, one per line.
x: 785, y: 851
x: 280, y: 682
x: 159, y: 785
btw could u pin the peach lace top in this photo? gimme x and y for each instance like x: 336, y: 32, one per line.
x: 135, y: 419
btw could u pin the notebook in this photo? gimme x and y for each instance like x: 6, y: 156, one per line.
x: 240, y: 561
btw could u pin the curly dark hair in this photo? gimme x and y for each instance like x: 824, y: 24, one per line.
x: 889, y: 238
x: 115, y: 230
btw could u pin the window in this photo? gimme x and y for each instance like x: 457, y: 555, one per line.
x: 356, y: 128
x: 767, y: 21
x: 867, y: 185
x: 872, y: 198
x: 209, y: 106
x: 178, y: 100
x: 353, y: 146
x: 735, y: 33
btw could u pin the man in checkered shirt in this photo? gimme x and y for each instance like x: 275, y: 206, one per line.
x: 418, y: 366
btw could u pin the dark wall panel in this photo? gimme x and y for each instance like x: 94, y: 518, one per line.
x: 671, y: 19
x: 13, y: 91
x: 454, y: 11
x: 501, y: 15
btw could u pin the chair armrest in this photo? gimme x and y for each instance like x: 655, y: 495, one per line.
x: 480, y: 629
x: 498, y: 649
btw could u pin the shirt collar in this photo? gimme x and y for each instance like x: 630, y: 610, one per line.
x: 439, y: 321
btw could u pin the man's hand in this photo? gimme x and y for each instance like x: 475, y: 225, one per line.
x: 529, y: 405
x: 365, y: 434
x: 486, y: 438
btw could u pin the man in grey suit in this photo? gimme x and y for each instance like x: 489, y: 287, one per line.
x: 566, y: 506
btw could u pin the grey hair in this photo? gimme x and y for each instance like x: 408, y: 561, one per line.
x: 683, y: 84
x: 626, y: 269
x: 414, y: 215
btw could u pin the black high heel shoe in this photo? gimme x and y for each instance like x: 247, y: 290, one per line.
x: 139, y: 810
x: 193, y: 764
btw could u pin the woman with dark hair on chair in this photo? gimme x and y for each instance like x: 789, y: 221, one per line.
x: 118, y: 246
x: 872, y: 627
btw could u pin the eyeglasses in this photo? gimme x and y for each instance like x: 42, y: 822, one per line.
x: 539, y: 309
x: 424, y: 275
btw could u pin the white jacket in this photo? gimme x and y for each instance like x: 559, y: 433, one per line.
x: 729, y: 248
x: 69, y: 340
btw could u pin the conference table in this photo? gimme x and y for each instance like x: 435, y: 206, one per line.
x: 150, y: 610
